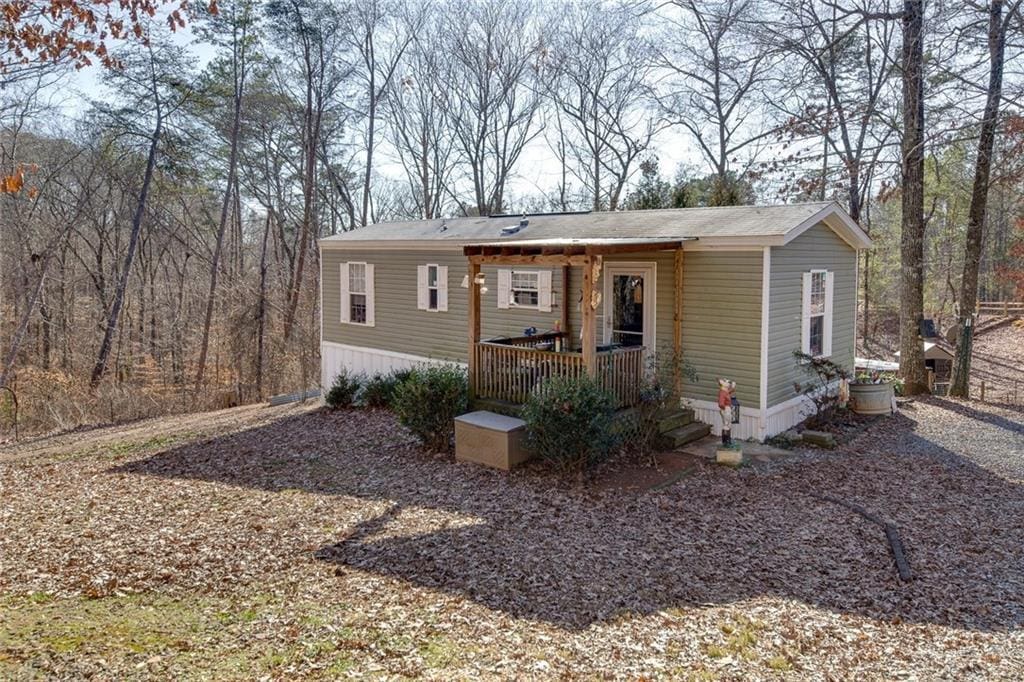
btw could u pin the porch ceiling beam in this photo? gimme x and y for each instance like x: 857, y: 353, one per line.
x: 519, y: 259
x: 607, y: 249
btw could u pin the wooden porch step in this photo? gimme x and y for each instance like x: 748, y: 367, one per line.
x: 679, y: 437
x: 497, y: 406
x: 672, y: 419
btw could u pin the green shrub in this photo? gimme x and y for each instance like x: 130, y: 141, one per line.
x: 429, y: 399
x: 344, y: 389
x: 638, y: 427
x: 571, y: 423
x: 379, y: 390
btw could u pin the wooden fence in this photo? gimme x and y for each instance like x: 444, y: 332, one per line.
x: 1005, y: 308
x: 1004, y: 394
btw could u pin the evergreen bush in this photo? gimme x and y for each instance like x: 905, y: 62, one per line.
x: 344, y: 389
x: 429, y: 399
x: 570, y: 423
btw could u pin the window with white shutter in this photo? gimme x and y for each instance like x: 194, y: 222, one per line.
x: 432, y: 287
x: 525, y: 289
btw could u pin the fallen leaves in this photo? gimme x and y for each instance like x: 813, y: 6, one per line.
x: 293, y: 544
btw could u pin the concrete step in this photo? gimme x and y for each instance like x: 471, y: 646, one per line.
x: 672, y: 419
x: 679, y: 437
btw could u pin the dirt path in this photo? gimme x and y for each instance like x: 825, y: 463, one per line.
x: 157, y: 430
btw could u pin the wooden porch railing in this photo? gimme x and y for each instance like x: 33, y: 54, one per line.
x: 510, y: 372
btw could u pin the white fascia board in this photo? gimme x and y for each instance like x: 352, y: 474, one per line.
x: 839, y: 221
x: 732, y: 243
x: 391, y: 245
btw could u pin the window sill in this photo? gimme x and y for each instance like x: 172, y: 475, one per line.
x: 358, y: 324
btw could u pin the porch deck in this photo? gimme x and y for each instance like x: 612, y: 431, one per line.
x: 511, y: 372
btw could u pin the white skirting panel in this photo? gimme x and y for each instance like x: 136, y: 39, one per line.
x: 779, y: 418
x: 707, y: 412
x: 787, y: 415
x: 368, y: 361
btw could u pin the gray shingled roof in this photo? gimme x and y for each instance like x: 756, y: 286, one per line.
x: 679, y: 223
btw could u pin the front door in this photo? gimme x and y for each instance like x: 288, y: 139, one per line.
x: 629, y: 304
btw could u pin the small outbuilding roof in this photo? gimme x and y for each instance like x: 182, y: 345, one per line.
x: 714, y: 226
x: 934, y: 351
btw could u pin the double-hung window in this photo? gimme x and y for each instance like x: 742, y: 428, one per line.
x: 432, y: 287
x: 525, y: 289
x: 816, y: 332
x: 357, y: 305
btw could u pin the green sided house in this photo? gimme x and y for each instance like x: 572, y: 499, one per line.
x: 733, y: 290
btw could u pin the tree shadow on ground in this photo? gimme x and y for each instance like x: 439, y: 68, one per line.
x: 532, y: 547
x: 965, y: 410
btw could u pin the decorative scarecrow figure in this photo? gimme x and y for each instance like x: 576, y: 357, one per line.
x: 726, y: 397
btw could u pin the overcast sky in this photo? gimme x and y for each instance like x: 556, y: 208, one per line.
x: 537, y: 172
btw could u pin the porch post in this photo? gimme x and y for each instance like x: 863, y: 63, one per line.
x: 589, y: 318
x: 677, y: 324
x: 474, y: 326
x: 566, y: 302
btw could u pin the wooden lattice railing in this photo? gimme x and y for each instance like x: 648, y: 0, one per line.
x: 511, y: 372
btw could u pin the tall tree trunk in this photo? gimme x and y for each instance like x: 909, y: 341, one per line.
x: 959, y: 383
x: 133, y: 243
x: 26, y: 317
x: 312, y: 136
x: 915, y: 379
x: 371, y: 129
x: 261, y: 314
x: 211, y: 296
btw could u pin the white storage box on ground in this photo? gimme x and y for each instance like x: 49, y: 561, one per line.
x: 492, y: 439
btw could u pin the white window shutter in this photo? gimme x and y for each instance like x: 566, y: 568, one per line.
x: 422, y: 293
x: 369, y: 295
x: 826, y: 344
x: 544, y: 291
x: 805, y: 316
x: 504, y: 287
x: 442, y: 288
x: 346, y: 306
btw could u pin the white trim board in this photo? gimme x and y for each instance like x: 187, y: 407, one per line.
x: 766, y: 280
x: 649, y: 271
x: 838, y: 221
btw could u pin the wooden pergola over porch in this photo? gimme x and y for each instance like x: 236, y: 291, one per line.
x: 587, y: 254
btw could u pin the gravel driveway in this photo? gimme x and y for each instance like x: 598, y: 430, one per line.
x: 314, y: 544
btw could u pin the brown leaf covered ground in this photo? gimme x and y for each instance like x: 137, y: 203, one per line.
x: 285, y: 543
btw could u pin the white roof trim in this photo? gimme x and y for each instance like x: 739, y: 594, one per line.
x: 393, y: 244
x: 840, y: 222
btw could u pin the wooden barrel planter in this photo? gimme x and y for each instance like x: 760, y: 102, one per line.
x: 871, y: 398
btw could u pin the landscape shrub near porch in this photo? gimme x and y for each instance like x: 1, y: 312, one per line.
x: 570, y: 423
x: 379, y: 390
x: 344, y: 389
x: 428, y: 400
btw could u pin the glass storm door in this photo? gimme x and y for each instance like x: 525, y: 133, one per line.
x: 629, y: 306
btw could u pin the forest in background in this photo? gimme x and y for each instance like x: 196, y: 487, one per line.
x: 157, y: 249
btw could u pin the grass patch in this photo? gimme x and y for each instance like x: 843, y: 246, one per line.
x: 121, y: 449
x: 438, y: 652
x: 35, y: 625
x: 779, y: 663
x: 741, y: 638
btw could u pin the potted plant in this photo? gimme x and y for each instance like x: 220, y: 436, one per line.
x: 873, y: 393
